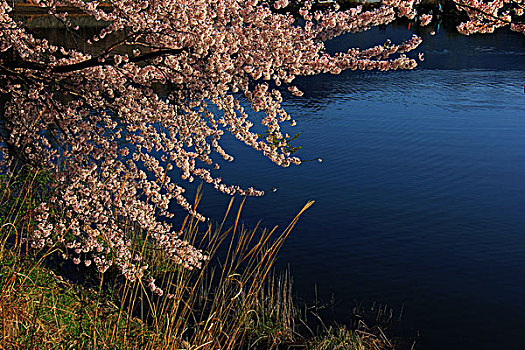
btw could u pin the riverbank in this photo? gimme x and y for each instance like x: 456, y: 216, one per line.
x: 233, y: 302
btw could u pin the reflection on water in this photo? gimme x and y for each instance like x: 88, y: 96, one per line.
x: 420, y: 198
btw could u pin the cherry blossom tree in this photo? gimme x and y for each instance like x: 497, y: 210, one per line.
x: 116, y: 128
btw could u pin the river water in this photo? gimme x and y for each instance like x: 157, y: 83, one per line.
x: 420, y: 198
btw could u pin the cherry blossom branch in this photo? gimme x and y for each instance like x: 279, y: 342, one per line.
x: 485, y: 17
x: 476, y: 9
x: 90, y: 63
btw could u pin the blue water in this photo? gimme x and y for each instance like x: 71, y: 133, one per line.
x: 420, y: 198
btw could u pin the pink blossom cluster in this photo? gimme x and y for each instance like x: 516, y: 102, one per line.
x: 116, y: 126
x: 425, y: 19
x: 405, y: 8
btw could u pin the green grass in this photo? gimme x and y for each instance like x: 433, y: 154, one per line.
x: 39, y: 309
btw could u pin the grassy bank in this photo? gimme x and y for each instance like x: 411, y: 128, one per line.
x: 233, y: 302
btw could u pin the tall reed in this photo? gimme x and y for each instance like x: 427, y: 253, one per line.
x: 214, y: 307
